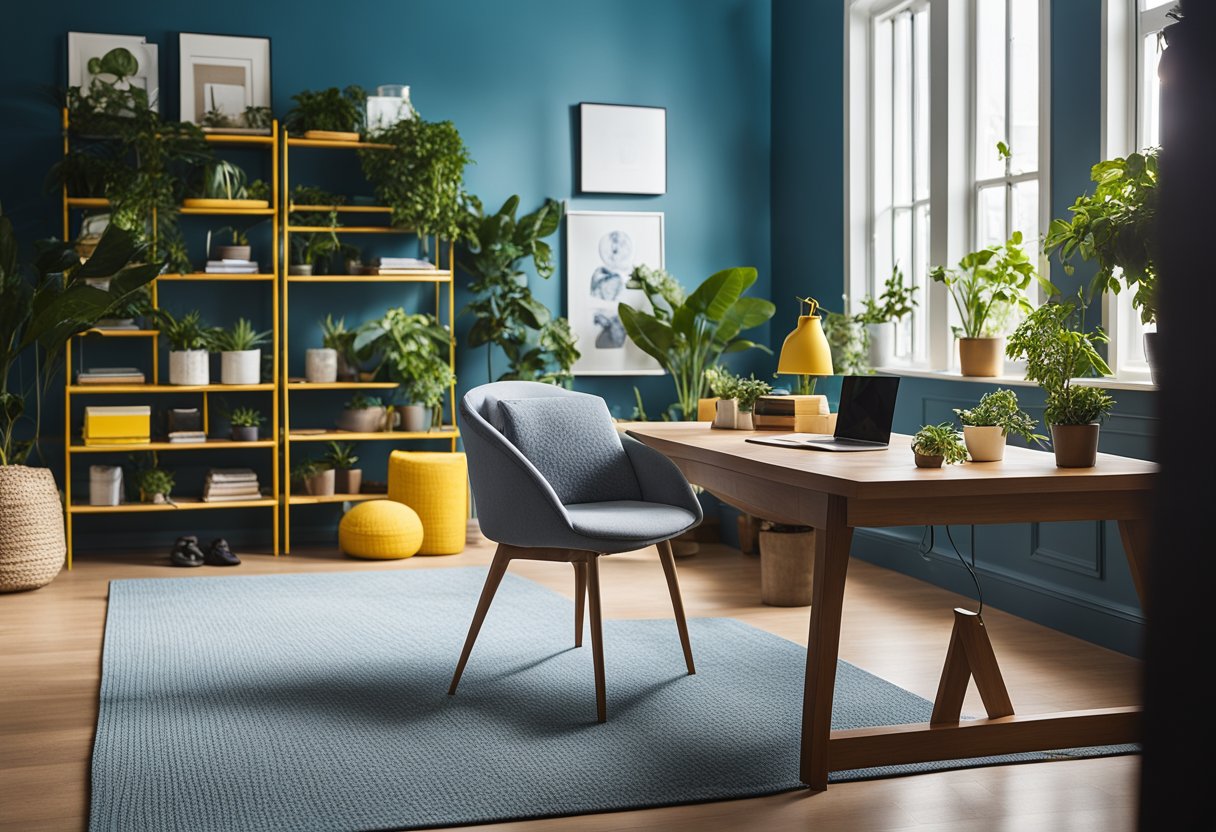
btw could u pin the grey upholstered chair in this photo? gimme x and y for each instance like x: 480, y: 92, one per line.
x: 553, y: 480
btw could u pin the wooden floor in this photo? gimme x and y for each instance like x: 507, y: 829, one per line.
x: 896, y: 627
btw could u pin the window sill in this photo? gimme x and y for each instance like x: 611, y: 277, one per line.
x: 1109, y: 383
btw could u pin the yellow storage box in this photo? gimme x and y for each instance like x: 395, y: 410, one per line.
x: 380, y: 530
x: 436, y: 485
x: 117, y: 425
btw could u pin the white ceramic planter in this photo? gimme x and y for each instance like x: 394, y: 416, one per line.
x: 985, y: 444
x: 727, y: 414
x: 243, y: 367
x: 192, y: 367
x: 744, y: 422
x: 882, y: 337
x: 321, y: 366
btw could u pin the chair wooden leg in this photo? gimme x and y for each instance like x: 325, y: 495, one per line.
x: 597, y: 637
x: 673, y: 586
x: 580, y: 599
x: 498, y: 568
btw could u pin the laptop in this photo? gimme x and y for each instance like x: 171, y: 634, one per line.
x: 863, y: 420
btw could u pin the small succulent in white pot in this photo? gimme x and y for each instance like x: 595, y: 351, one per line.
x: 987, y: 425
x: 190, y: 345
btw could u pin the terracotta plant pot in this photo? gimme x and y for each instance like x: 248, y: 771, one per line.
x: 189, y: 367
x: 242, y: 367
x: 982, y: 357
x: 321, y: 485
x: 244, y: 433
x: 363, y: 420
x: 348, y: 480
x: 233, y: 252
x: 415, y: 418
x: 787, y: 562
x: 1076, y: 446
x: 925, y: 461
x: 984, y: 443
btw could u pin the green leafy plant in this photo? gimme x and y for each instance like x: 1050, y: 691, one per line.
x: 1000, y: 409
x: 1116, y: 227
x: 39, y: 312
x: 309, y: 468
x: 187, y: 332
x: 221, y: 179
x: 686, y: 334
x: 335, y: 336
x: 238, y: 236
x: 314, y: 247
x: 896, y: 301
x: 258, y: 189
x: 720, y: 381
x: 333, y: 109
x: 747, y: 390
x: 849, y: 342
x: 135, y: 305
x: 362, y: 402
x: 942, y: 440
x: 258, y: 118
x: 986, y: 283
x: 1055, y: 354
x: 153, y: 481
x: 421, y: 177
x: 538, y: 346
x: 340, y: 456
x: 414, y: 352
x: 241, y: 338
x: 246, y: 417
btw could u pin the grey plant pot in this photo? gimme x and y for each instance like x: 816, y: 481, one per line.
x: 415, y: 418
x: 233, y: 252
x: 322, y: 485
x: 300, y: 270
x: 245, y: 433
x: 363, y: 420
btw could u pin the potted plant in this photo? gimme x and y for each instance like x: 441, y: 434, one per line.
x: 316, y: 477
x: 721, y: 385
x: 245, y: 422
x: 1116, y: 226
x: 895, y: 303
x: 363, y: 414
x: 1056, y: 354
x: 240, y: 353
x: 747, y: 390
x: 221, y: 184
x: 414, y: 352
x: 39, y: 312
x: 335, y: 336
x: 538, y: 346
x: 987, y: 425
x: 331, y: 114
x: 340, y: 456
x: 189, y: 347
x: 687, y: 333
x: 935, y: 444
x: 155, y: 485
x: 238, y: 249
x: 985, y: 287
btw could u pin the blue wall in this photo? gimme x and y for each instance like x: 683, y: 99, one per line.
x: 507, y: 74
x: 1072, y: 576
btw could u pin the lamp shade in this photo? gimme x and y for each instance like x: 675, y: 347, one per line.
x: 806, y: 351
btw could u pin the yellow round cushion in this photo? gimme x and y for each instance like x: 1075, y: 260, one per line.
x: 436, y: 485
x: 381, y: 530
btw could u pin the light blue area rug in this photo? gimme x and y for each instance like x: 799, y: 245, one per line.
x: 319, y: 702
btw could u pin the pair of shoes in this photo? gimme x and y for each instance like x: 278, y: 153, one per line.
x: 186, y: 552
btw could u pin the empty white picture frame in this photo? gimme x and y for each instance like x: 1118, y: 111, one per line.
x: 602, y: 250
x: 622, y: 149
x: 223, y: 72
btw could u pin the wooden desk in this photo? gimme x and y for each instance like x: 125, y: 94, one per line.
x: 837, y: 492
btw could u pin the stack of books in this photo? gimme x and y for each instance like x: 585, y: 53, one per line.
x: 186, y: 437
x: 802, y: 414
x: 111, y: 375
x: 401, y: 265
x: 225, y: 485
x: 231, y: 267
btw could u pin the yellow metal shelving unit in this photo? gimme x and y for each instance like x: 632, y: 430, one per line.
x: 73, y: 447
x: 439, y: 277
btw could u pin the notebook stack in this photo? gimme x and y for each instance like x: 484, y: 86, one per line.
x: 225, y: 485
x: 803, y: 414
x: 401, y: 265
x: 231, y: 267
x: 186, y: 437
x: 111, y: 375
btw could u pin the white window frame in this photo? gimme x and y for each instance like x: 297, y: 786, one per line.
x: 1122, y: 25
x: 951, y: 152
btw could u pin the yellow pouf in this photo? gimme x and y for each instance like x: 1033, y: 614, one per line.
x: 380, y: 530
x: 436, y: 485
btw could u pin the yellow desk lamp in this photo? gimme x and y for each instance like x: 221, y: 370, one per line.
x: 805, y: 352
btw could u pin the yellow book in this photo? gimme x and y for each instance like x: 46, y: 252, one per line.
x: 107, y: 424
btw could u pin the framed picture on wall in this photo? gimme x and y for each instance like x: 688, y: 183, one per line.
x: 622, y: 149
x: 88, y: 63
x: 223, y: 75
x: 602, y: 249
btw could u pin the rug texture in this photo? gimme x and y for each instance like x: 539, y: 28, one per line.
x: 319, y: 702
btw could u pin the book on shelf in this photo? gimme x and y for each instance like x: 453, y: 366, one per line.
x: 245, y: 489
x: 231, y: 498
x: 388, y: 265
x: 186, y: 437
x: 231, y: 267
x: 111, y: 375
x: 231, y: 475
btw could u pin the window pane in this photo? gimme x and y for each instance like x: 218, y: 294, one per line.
x: 920, y: 56
x: 901, y: 109
x: 1150, y: 93
x: 1026, y: 214
x: 910, y: 333
x: 1152, y: 4
x: 882, y: 116
x: 1024, y: 87
x: 882, y: 255
x: 990, y: 216
x: 990, y: 88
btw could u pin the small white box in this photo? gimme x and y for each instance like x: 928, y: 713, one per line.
x: 105, y: 485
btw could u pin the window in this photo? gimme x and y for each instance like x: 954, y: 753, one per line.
x: 900, y: 152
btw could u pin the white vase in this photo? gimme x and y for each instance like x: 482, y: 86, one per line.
x: 985, y: 444
x: 242, y: 367
x: 726, y: 414
x: 882, y: 337
x: 744, y: 421
x: 321, y: 366
x: 190, y: 367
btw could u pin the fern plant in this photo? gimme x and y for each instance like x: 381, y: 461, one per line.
x: 942, y: 440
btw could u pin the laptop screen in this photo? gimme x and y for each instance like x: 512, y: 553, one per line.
x: 867, y: 407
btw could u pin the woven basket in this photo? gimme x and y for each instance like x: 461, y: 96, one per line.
x: 32, y: 544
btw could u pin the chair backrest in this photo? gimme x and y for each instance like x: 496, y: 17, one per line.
x: 572, y: 445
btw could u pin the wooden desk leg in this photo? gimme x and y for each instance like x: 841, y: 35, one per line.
x: 1136, y: 542
x: 832, y: 544
x: 970, y: 654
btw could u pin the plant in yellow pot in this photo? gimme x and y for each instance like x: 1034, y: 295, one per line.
x: 987, y: 285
